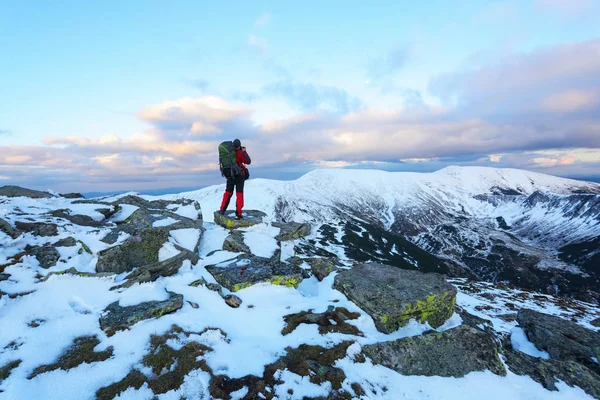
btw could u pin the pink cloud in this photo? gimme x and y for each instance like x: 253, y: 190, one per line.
x: 571, y: 100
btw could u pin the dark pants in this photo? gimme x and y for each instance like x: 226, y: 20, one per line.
x: 238, y: 182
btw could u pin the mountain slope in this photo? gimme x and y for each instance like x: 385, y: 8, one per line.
x: 494, y: 224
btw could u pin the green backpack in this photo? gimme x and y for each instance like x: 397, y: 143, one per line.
x: 228, y: 160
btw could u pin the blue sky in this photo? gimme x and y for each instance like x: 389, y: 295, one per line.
x: 111, y: 95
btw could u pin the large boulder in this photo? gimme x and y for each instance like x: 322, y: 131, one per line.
x: 393, y: 296
x: 8, y: 229
x: 235, y: 243
x: 37, y: 228
x: 118, y: 318
x: 136, y: 252
x: 548, y: 372
x: 291, y: 230
x: 322, y: 267
x: 17, y: 191
x: 246, y: 270
x: 455, y: 352
x: 563, y: 340
x: 229, y: 221
x: 77, y: 219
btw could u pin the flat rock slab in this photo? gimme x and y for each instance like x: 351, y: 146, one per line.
x: 393, y: 296
x: 37, y: 228
x: 291, y: 230
x: 47, y: 256
x: 119, y: 318
x: 229, y: 221
x: 563, y: 340
x: 17, y: 191
x: 245, y: 271
x: 455, y: 352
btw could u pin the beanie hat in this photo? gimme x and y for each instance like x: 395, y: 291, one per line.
x: 237, y: 143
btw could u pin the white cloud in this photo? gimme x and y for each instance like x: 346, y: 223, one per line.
x: 571, y: 100
x: 263, y: 21
x: 259, y: 45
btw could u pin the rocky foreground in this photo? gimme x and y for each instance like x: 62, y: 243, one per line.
x: 134, y: 297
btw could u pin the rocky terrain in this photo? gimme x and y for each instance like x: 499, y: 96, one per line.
x: 137, y: 297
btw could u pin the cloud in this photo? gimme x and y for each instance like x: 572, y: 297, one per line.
x: 263, y: 21
x: 201, y: 84
x: 259, y: 45
x: 5, y: 132
x: 571, y: 100
x: 393, y: 62
x: 308, y: 96
x: 519, y: 83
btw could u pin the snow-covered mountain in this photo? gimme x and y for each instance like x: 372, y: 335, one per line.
x: 533, y: 230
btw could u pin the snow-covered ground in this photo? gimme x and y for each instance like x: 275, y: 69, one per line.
x: 37, y: 327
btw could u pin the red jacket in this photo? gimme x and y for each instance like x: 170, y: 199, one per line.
x: 242, y: 158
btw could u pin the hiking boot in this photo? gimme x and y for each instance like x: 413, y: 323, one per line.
x: 239, y: 216
x: 222, y: 212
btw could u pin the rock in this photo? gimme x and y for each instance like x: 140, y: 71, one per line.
x: 228, y: 220
x: 46, y: 255
x: 232, y: 300
x: 72, y: 196
x: 235, y: 243
x: 6, y: 370
x: 73, y: 271
x: 66, y: 242
x: 4, y: 277
x: 152, y: 272
x: 393, y: 296
x: 8, y: 229
x: 119, y: 318
x: 474, y: 321
x: 595, y: 322
x: 17, y: 191
x: 38, y: 228
x: 194, y: 305
x: 332, y: 320
x: 291, y: 230
x: 563, y: 340
x: 81, y: 352
x: 77, y: 219
x: 245, y: 271
x: 198, y: 282
x: 215, y: 287
x: 548, y: 372
x: 136, y: 252
x: 455, y: 352
x: 322, y: 267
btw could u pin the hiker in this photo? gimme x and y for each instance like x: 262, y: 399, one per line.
x: 232, y: 160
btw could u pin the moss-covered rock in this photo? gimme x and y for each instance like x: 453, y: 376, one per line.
x: 393, y: 296
x: 245, y: 271
x: 118, y: 318
x: 455, y: 352
x: 235, y: 243
x: 66, y: 242
x: 81, y: 352
x: 292, y: 230
x: 37, y: 228
x: 322, y: 267
x: 228, y: 220
x: 46, y: 255
x: 17, y: 191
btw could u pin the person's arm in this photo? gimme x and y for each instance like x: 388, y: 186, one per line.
x: 245, y: 157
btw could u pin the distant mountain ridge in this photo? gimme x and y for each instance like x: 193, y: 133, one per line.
x: 533, y: 230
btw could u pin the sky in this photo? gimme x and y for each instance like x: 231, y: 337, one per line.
x: 137, y: 95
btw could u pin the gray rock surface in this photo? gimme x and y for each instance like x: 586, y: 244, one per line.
x: 291, y: 230
x: 232, y: 300
x: 235, y: 243
x: 37, y: 228
x: 228, y: 220
x: 563, y: 340
x: 77, y: 219
x: 392, y: 296
x: 119, y: 318
x: 548, y: 372
x: 8, y: 229
x: 322, y: 267
x: 595, y: 322
x: 46, y: 255
x: 72, y: 195
x: 17, y: 191
x: 245, y: 271
x: 152, y: 272
x: 455, y: 352
x: 66, y: 242
x: 4, y: 277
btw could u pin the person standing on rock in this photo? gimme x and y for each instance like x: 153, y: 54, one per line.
x: 233, y: 159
